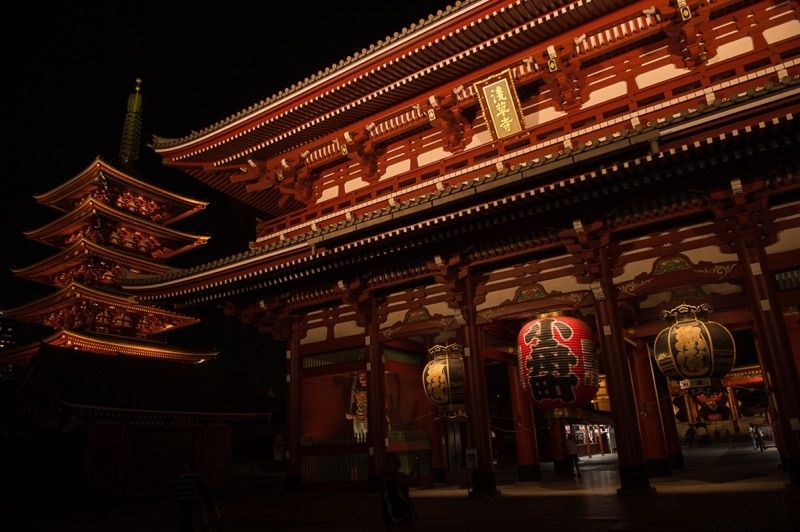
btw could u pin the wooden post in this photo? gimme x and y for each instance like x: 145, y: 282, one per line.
x: 483, y: 478
x: 733, y: 403
x: 528, y: 467
x: 558, y: 447
x: 293, y: 426
x: 376, y: 409
x: 745, y: 210
x: 650, y: 423
x: 671, y: 436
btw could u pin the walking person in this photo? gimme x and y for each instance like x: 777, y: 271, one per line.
x: 759, y: 439
x: 754, y: 436
x: 572, y: 455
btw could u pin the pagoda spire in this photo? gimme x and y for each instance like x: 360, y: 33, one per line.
x: 132, y: 128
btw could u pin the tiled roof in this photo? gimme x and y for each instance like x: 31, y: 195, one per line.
x: 477, y: 186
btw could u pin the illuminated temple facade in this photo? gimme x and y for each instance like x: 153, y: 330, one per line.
x: 498, y: 161
x: 494, y: 162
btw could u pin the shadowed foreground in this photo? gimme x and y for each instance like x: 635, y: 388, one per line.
x: 722, y: 488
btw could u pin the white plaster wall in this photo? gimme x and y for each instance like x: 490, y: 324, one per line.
x: 481, y: 138
x: 397, y: 168
x: 328, y: 193
x: 563, y: 284
x: 606, y: 93
x: 654, y: 300
x: 732, y: 49
x: 542, y: 116
x: 317, y: 334
x: 496, y: 297
x: 354, y: 184
x: 781, y: 32
x: 431, y: 156
x: 722, y: 288
x: 708, y: 254
x: 659, y: 75
x: 350, y: 328
x: 788, y: 240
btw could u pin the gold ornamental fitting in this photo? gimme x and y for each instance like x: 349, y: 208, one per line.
x: 447, y: 350
x: 684, y: 312
x: 551, y: 314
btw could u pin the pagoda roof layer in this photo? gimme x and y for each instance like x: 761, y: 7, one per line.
x: 64, y: 196
x: 115, y: 345
x: 33, y: 311
x: 78, y: 253
x: 91, y: 208
x: 438, y: 52
x: 106, y: 345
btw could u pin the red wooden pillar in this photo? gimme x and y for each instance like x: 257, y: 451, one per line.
x: 524, y: 429
x: 558, y: 446
x: 733, y: 403
x: 600, y: 443
x: 691, y: 409
x: 293, y: 426
x: 483, y: 478
x: 376, y: 409
x: 650, y: 424
x: 632, y: 465
x: 671, y: 436
x: 793, y: 330
x: 776, y: 356
x: 587, y: 441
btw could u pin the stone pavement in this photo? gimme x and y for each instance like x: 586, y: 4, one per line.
x: 723, y: 488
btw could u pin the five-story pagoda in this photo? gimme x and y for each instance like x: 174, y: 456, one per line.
x: 114, y: 226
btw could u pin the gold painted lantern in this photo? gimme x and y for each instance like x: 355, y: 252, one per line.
x: 444, y: 380
x: 694, y: 350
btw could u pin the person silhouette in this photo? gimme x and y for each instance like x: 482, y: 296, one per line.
x: 397, y: 506
x: 188, y: 491
x: 572, y: 455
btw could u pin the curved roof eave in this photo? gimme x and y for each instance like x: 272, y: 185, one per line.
x: 163, y: 145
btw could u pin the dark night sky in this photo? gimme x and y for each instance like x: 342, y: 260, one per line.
x: 70, y: 67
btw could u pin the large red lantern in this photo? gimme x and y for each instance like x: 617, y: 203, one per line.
x: 558, y: 362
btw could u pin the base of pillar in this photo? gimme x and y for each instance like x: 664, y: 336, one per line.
x: 659, y: 468
x: 483, y: 484
x: 529, y: 473
x: 439, y: 475
x: 562, y: 467
x: 634, y: 481
x: 792, y: 467
x: 292, y: 484
x: 676, y: 461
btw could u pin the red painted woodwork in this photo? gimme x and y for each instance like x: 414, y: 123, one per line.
x: 524, y: 428
x: 650, y: 424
